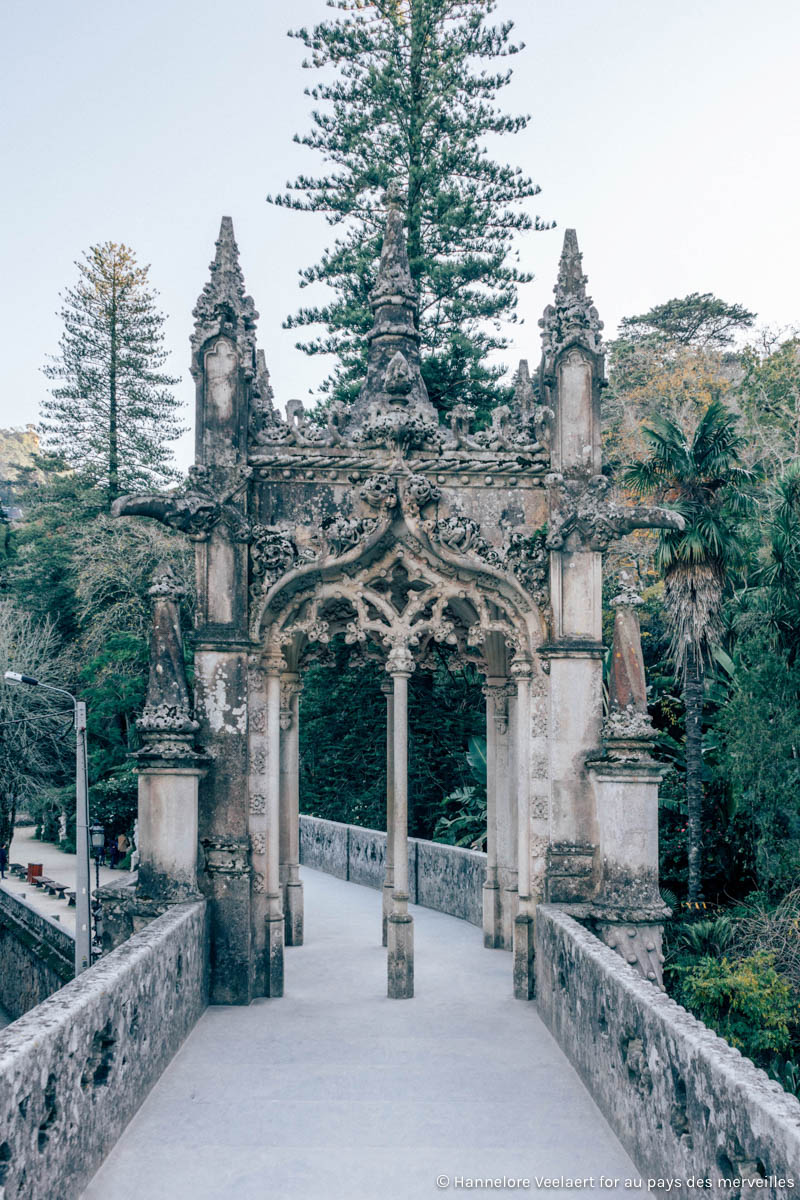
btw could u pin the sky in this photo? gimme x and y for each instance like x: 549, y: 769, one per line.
x: 664, y: 132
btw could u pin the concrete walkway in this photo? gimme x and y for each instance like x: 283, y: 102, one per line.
x: 336, y: 1093
x: 57, y: 865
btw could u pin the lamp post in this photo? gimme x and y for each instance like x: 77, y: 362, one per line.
x: 83, y: 948
x: 98, y: 835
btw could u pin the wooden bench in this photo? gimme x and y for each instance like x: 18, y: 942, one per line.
x: 18, y: 869
x: 71, y: 899
x: 56, y: 889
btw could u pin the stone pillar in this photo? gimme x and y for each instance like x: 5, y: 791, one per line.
x: 507, y: 820
x: 291, y: 886
x: 400, y: 927
x: 257, y: 787
x: 274, y: 667
x: 521, y: 670
x: 492, y: 932
x: 169, y: 766
x: 388, y: 880
x: 629, y: 911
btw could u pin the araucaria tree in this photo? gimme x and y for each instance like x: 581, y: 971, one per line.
x: 407, y: 100
x: 112, y: 414
x: 700, y: 477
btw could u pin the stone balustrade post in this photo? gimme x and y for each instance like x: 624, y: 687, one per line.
x: 400, y: 926
x: 388, y: 881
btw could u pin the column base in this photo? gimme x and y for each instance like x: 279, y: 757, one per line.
x: 509, y: 910
x: 293, y: 913
x: 523, y: 958
x: 492, y: 931
x: 388, y: 891
x: 274, y: 974
x: 400, y: 942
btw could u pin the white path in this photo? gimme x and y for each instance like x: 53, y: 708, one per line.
x: 336, y: 1093
x: 57, y: 865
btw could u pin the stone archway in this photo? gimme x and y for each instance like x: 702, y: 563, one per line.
x: 384, y: 522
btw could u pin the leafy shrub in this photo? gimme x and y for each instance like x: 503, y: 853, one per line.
x: 746, y: 1001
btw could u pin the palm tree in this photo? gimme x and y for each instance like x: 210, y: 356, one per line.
x: 701, y: 477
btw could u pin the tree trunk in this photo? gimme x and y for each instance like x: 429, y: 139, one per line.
x: 416, y: 167
x: 113, y: 436
x: 693, y: 702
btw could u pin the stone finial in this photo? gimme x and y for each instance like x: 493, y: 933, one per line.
x: 166, y: 724
x: 573, y: 319
x: 628, y: 718
x: 524, y: 394
x: 393, y: 404
x: 223, y: 307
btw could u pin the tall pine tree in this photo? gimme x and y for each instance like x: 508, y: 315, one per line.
x: 408, y: 101
x: 112, y: 414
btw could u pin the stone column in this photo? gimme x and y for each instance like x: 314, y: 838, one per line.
x: 169, y: 766
x: 274, y: 666
x: 492, y: 935
x: 507, y: 821
x: 290, y: 808
x: 400, y: 927
x: 388, y: 881
x: 629, y: 910
x: 521, y: 670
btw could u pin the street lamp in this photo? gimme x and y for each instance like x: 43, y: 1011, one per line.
x: 83, y: 950
x: 98, y: 836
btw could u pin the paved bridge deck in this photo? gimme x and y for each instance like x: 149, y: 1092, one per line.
x: 336, y: 1093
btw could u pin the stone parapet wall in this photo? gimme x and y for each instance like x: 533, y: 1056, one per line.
x: 684, y: 1103
x: 74, y: 1070
x: 37, y: 955
x: 446, y: 878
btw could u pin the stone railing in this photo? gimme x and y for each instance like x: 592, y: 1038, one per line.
x: 684, y: 1103
x: 75, y: 1069
x: 37, y: 955
x: 446, y: 878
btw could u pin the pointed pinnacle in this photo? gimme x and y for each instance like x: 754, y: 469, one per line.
x: 571, y: 278
x: 226, y: 283
x: 394, y: 272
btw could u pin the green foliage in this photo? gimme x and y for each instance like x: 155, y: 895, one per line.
x: 343, y: 740
x: 703, y: 321
x: 758, y: 730
x: 463, y: 822
x: 112, y: 414
x: 85, y: 578
x: 406, y: 96
x: 746, y: 1001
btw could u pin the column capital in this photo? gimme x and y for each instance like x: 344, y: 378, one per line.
x: 273, y: 662
x: 521, y: 668
x: 400, y: 661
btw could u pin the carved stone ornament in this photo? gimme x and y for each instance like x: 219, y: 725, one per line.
x: 628, y: 724
x: 573, y: 318
x: 420, y: 491
x: 166, y: 718
x: 580, y: 508
x: 206, y: 499
x: 528, y: 557
x: 345, y: 533
x: 463, y: 535
x: 223, y: 308
x: 379, y: 491
x: 273, y: 553
x: 166, y: 583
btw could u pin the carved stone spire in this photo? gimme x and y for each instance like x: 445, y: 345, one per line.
x: 394, y: 392
x: 223, y: 307
x: 628, y: 718
x: 573, y: 319
x: 524, y: 394
x: 166, y: 724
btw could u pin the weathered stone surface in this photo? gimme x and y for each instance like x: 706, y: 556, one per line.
x: 448, y: 879
x: 74, y: 1070
x: 37, y: 956
x: 682, y: 1101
